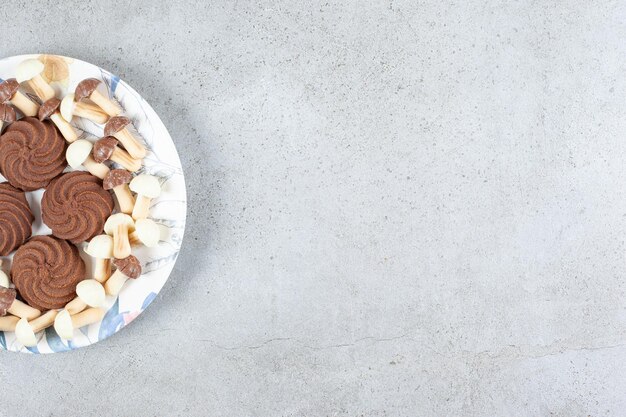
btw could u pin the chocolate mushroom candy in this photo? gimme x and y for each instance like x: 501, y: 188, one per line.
x: 128, y: 268
x: 50, y: 109
x: 101, y: 249
x: 9, y: 304
x: 79, y: 153
x: 71, y: 108
x: 146, y: 232
x: 7, y: 115
x: 65, y: 323
x: 147, y: 187
x: 25, y: 330
x: 30, y: 71
x: 117, y: 180
x: 88, y: 88
x: 106, y: 149
x: 119, y: 226
x: 90, y: 293
x: 116, y: 127
x: 9, y: 91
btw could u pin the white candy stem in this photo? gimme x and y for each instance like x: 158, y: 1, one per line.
x: 43, y: 90
x: 66, y: 129
x: 75, y: 306
x: 132, y: 145
x: 26, y: 105
x: 114, y: 285
x: 23, y: 311
x: 103, y: 270
x: 87, y: 317
x: 8, y: 323
x: 121, y: 245
x: 125, y: 160
x: 107, y: 105
x: 91, y: 112
x: 99, y: 170
x: 44, y: 321
x: 124, y: 198
x: 142, y: 207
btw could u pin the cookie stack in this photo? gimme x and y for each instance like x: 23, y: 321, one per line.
x: 94, y: 197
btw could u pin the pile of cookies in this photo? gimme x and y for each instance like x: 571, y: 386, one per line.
x: 41, y: 149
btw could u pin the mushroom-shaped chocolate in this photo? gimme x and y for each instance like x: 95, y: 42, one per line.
x: 116, y: 127
x: 147, y: 187
x: 146, y: 232
x: 50, y: 109
x: 88, y: 88
x: 30, y: 71
x: 25, y: 330
x: 65, y: 323
x: 117, y: 180
x: 119, y: 226
x: 106, y: 148
x: 128, y: 268
x: 90, y: 294
x: 101, y: 249
x: 9, y: 91
x: 9, y: 304
x: 79, y: 153
x: 7, y: 115
x: 71, y: 108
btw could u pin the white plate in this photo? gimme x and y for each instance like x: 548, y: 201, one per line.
x: 169, y: 210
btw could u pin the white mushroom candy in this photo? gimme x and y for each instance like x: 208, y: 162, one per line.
x: 90, y: 294
x: 146, y: 232
x: 65, y: 324
x: 79, y: 154
x: 147, y: 187
x: 101, y: 248
x: 71, y: 108
x: 119, y: 226
x: 25, y: 330
x: 4, y: 280
x: 30, y: 71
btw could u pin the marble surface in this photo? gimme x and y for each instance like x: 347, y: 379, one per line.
x: 396, y: 208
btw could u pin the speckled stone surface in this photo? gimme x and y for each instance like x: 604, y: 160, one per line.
x: 395, y: 209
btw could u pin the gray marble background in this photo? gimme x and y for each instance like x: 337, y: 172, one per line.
x: 396, y: 208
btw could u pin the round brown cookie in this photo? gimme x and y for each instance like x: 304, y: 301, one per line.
x: 16, y: 218
x: 32, y: 153
x: 45, y: 272
x: 75, y: 206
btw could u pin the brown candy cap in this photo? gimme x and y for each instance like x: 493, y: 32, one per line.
x: 85, y: 88
x: 8, y: 89
x: 116, y: 177
x: 115, y: 124
x: 103, y: 149
x: 7, y: 296
x: 7, y: 113
x: 129, y: 266
x: 48, y: 108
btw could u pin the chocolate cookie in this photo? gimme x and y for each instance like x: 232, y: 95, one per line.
x: 16, y: 219
x: 75, y: 206
x: 45, y: 272
x: 32, y: 153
